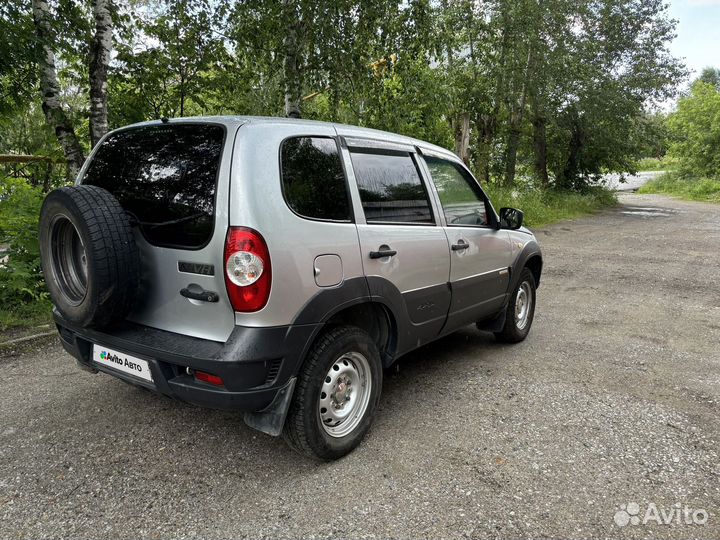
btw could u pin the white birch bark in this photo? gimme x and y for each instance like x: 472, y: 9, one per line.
x: 291, y: 67
x: 50, y: 87
x: 99, y: 60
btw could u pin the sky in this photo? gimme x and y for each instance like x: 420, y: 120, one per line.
x: 698, y: 33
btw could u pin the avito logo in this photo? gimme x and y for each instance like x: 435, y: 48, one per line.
x: 630, y: 514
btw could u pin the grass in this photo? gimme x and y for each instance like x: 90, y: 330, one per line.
x: 692, y: 189
x: 545, y: 207
x: 25, y: 316
x: 664, y: 163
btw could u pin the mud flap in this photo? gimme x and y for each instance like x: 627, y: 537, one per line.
x: 272, y: 418
x: 495, y: 324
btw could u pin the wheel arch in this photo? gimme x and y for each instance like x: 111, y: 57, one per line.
x: 376, y: 319
x: 529, y: 257
x: 535, y: 263
x: 351, y: 304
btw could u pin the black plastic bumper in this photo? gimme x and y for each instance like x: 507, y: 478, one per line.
x: 256, y: 364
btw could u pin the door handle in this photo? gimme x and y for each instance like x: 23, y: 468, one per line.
x: 379, y: 254
x: 201, y: 294
x: 462, y: 244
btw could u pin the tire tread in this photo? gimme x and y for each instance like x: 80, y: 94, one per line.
x: 112, y: 247
x: 295, y: 431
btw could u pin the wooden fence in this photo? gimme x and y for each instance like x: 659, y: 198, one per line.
x: 38, y: 170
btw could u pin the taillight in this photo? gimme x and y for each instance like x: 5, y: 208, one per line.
x: 247, y: 269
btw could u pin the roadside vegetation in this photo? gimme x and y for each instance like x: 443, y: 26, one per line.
x: 539, y: 99
x: 690, y: 188
x: 543, y: 207
x: 694, y: 134
x: 22, y: 292
x: 664, y: 163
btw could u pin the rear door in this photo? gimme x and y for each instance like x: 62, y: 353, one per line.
x: 403, y: 247
x: 172, y: 179
x: 480, y: 253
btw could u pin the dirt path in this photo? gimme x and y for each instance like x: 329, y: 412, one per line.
x: 613, y: 399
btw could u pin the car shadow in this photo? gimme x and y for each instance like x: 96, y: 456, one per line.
x: 116, y: 415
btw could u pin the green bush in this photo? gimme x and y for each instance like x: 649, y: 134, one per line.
x: 665, y: 163
x: 696, y: 130
x: 21, y: 280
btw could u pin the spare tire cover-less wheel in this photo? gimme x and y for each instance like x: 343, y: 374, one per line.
x: 89, y: 256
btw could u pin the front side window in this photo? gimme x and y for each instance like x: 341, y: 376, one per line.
x: 165, y: 177
x: 390, y: 188
x: 313, y: 179
x: 462, y: 201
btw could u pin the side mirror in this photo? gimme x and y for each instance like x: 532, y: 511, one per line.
x: 511, y: 218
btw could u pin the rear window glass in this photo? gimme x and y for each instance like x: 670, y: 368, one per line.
x: 391, y: 189
x: 165, y: 178
x: 313, y: 179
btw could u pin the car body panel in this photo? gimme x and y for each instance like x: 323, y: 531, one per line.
x: 159, y: 302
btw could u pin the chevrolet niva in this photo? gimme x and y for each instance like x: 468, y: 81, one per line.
x: 277, y: 266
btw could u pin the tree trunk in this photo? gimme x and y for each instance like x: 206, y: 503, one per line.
x: 291, y: 65
x: 182, y: 96
x: 99, y: 60
x: 462, y: 137
x: 485, y: 126
x: 50, y: 89
x: 512, y: 147
x: 571, y: 170
x: 486, y: 122
x: 517, y: 112
x: 540, y: 148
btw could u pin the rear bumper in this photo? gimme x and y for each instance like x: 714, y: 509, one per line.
x: 256, y: 364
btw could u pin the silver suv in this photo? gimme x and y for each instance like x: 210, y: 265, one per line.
x: 277, y: 266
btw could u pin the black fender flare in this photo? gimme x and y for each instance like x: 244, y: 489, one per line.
x: 529, y: 250
x: 329, y: 302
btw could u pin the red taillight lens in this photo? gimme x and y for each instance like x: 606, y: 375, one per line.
x: 247, y: 269
x: 208, y: 378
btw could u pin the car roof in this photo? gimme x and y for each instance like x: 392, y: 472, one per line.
x: 342, y: 129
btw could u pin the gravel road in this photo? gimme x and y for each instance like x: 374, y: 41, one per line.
x: 613, y: 399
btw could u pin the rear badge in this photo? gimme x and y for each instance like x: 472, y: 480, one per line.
x: 196, y: 268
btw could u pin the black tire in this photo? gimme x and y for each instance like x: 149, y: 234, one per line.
x: 89, y: 256
x: 511, y: 332
x: 303, y: 429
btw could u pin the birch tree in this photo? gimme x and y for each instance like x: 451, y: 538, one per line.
x: 291, y: 59
x: 50, y: 89
x: 99, y: 60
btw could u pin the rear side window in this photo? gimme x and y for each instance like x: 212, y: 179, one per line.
x: 391, y: 189
x: 165, y: 177
x: 313, y: 179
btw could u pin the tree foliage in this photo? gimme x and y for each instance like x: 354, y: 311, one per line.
x: 546, y: 91
x: 695, y: 128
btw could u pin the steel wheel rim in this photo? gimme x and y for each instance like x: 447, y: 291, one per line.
x: 68, y: 260
x: 523, y: 305
x: 345, y: 394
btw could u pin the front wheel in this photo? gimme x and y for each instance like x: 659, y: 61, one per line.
x: 336, y: 396
x: 520, y: 310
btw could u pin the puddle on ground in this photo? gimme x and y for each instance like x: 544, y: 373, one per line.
x: 648, y: 211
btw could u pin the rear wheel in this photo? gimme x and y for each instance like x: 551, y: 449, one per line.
x: 520, y: 310
x: 336, y: 395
